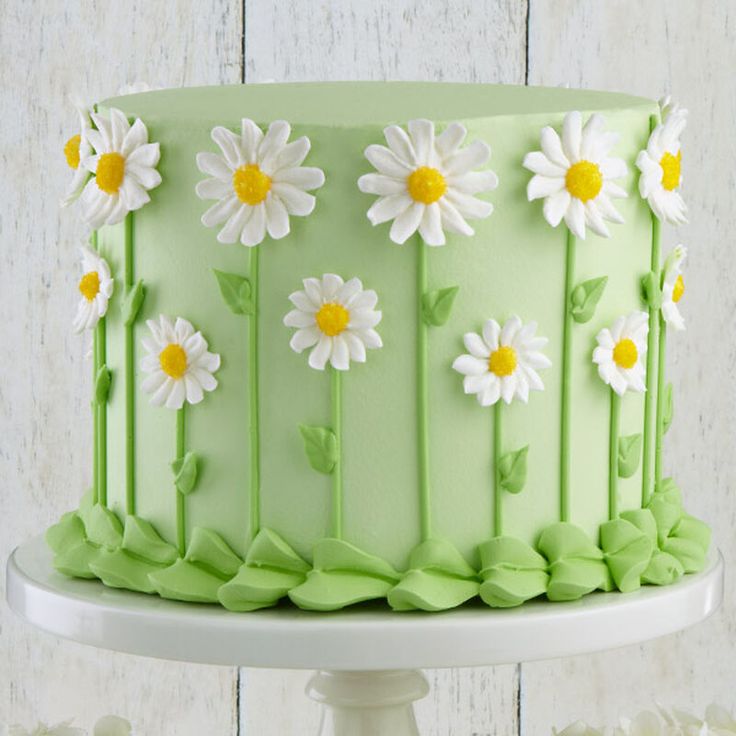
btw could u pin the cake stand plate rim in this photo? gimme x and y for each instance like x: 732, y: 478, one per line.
x: 355, y: 639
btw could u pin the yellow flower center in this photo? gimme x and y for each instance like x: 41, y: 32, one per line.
x: 671, y: 167
x: 332, y: 318
x: 678, y: 289
x: 625, y: 353
x: 89, y: 285
x: 110, y: 172
x: 71, y: 151
x: 173, y: 360
x: 503, y: 361
x: 426, y: 185
x: 584, y: 180
x: 251, y: 184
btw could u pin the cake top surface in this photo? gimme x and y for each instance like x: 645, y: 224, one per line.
x: 364, y: 103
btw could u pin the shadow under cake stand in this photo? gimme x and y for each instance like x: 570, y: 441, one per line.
x: 367, y: 659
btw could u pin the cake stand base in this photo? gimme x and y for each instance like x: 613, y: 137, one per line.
x: 367, y: 657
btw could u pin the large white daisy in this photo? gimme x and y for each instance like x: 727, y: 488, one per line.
x: 95, y: 286
x: 76, y: 149
x: 673, y: 288
x: 502, y: 363
x: 621, y: 351
x: 427, y: 182
x: 179, y: 365
x: 258, y: 181
x: 336, y: 319
x: 575, y: 175
x: 660, y: 166
x: 124, y: 168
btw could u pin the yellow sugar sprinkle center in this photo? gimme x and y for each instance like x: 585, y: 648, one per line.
x: 173, y: 360
x: 110, y: 172
x: 678, y: 289
x: 71, y: 151
x: 671, y: 168
x: 625, y: 354
x: 89, y: 285
x: 503, y: 361
x: 426, y: 185
x: 251, y: 184
x: 584, y: 180
x: 332, y: 318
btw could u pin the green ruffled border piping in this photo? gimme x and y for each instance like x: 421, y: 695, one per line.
x: 655, y: 545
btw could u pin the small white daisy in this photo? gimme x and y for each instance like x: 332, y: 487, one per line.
x: 427, y: 182
x: 502, y: 363
x: 179, y: 365
x: 673, y: 288
x: 95, y: 286
x: 76, y: 149
x: 124, y: 165
x: 621, y: 351
x: 259, y: 181
x: 575, y: 175
x: 660, y: 166
x: 336, y: 319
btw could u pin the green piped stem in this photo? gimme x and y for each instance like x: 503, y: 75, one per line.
x: 95, y: 421
x: 566, y: 382
x: 181, y: 535
x: 254, y: 494
x: 129, y: 378
x: 650, y: 430
x: 102, y: 411
x: 497, y: 491
x: 336, y: 391
x: 613, y: 455
x: 425, y: 509
x: 662, y: 348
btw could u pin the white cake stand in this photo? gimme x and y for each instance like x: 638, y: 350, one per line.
x: 367, y: 659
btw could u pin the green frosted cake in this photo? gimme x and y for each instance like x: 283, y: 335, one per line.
x: 342, y: 353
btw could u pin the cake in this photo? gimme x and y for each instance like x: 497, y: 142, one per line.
x: 401, y: 342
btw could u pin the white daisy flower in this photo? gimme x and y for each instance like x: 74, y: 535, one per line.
x: 575, y: 175
x: 95, y: 286
x: 336, y: 319
x: 179, y: 365
x: 124, y: 167
x: 76, y: 149
x: 673, y: 288
x: 427, y: 182
x: 621, y: 351
x: 502, y: 363
x: 258, y: 181
x: 660, y: 166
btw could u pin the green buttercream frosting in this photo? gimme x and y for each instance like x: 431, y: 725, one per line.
x: 512, y: 572
x: 438, y: 578
x: 627, y: 551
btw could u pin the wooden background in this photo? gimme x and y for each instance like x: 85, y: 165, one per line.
x: 51, y: 48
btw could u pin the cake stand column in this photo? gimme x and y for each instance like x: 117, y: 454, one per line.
x: 368, y: 703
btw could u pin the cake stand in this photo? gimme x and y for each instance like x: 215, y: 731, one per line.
x: 368, y: 659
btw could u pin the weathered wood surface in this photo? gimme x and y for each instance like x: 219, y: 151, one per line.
x: 49, y: 49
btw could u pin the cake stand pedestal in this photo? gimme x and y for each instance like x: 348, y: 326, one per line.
x: 368, y: 660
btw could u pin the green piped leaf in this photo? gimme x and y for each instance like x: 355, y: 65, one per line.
x: 66, y: 533
x: 104, y: 528
x: 236, y: 291
x: 651, y: 292
x: 132, y: 303
x: 142, y: 540
x: 669, y: 408
x: 185, y: 473
x: 119, y: 569
x: 210, y: 551
x: 437, y: 305
x: 75, y: 561
x: 186, y: 581
x: 330, y: 591
x: 628, y: 551
x: 440, y: 555
x: 270, y: 550
x: 320, y: 445
x: 585, y: 297
x: 512, y: 470
x: 629, y: 453
x: 663, y: 569
x: 103, y: 381
x: 335, y: 554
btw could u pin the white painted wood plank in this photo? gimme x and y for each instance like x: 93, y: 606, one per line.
x: 649, y: 48
x: 47, y: 50
x: 459, y: 40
